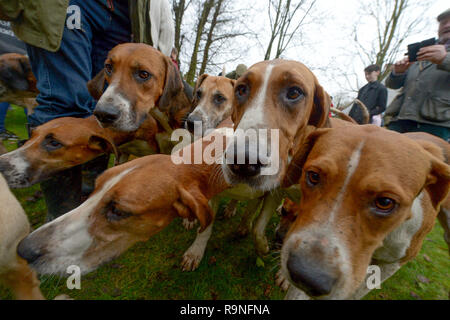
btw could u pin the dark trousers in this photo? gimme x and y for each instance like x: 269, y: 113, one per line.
x: 403, y: 126
x: 61, y: 80
x: 4, y: 106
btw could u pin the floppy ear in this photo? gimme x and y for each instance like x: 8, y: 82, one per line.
x: 196, y: 203
x: 295, y: 166
x: 172, y: 86
x: 96, y: 85
x: 25, y: 65
x: 233, y: 82
x: 438, y: 182
x: 438, y: 179
x: 103, y: 144
x: 321, y: 107
x: 197, y: 85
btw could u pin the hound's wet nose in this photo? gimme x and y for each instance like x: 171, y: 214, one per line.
x: 310, y: 275
x: 107, y: 115
x: 190, y: 122
x: 248, y: 166
x: 27, y: 251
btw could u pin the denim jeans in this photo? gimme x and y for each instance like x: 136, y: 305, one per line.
x: 62, y: 75
x: 4, y: 106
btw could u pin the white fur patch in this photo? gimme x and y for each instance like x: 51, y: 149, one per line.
x: 254, y: 115
x: 193, y: 255
x: 351, y: 168
x: 115, y: 99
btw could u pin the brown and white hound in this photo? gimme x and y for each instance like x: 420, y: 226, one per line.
x: 369, y: 197
x: 138, y: 78
x: 212, y: 103
x: 131, y: 202
x: 67, y: 142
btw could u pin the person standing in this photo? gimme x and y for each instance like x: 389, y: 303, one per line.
x: 424, y: 103
x: 373, y: 95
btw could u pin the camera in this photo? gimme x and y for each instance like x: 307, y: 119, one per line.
x: 415, y: 47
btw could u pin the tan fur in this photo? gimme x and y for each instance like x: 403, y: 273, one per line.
x: 19, y: 64
x: 14, y: 271
x: 206, y: 106
x: 336, y: 215
x: 163, y: 89
x: 81, y: 139
x: 150, y: 192
x: 312, y: 110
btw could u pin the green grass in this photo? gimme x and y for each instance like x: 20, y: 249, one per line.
x: 151, y: 270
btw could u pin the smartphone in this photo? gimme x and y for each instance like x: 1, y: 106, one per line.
x: 415, y: 47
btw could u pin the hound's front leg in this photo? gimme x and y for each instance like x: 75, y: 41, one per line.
x: 270, y: 205
x: 193, y: 255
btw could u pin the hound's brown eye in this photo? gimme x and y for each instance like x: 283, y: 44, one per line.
x: 114, y: 214
x: 108, y: 68
x: 294, y: 93
x: 219, y: 99
x: 384, y: 205
x: 241, y: 91
x: 51, y: 144
x: 312, y: 178
x: 199, y: 94
x: 144, y: 75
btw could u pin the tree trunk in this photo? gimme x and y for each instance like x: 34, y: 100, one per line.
x: 207, y: 5
x: 209, y: 39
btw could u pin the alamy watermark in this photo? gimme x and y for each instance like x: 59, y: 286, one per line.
x: 373, y: 280
x: 73, y: 20
x: 74, y: 280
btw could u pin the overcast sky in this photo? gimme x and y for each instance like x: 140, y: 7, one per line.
x: 328, y: 38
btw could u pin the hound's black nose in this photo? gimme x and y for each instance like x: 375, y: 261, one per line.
x: 190, y: 122
x: 247, y: 169
x: 107, y: 114
x: 27, y: 251
x: 309, y: 275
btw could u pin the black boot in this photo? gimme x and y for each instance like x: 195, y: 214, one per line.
x: 62, y: 192
x: 90, y: 171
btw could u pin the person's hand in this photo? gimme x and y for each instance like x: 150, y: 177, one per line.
x: 402, y: 65
x: 435, y: 54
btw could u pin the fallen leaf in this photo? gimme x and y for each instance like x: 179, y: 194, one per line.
x: 116, y: 292
x: 427, y: 258
x: 30, y: 199
x: 423, y: 279
x: 383, y: 296
x: 259, y: 262
x: 267, y: 291
x: 414, y: 295
x: 212, y: 261
x: 214, y: 295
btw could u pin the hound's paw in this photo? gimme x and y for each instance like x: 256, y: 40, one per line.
x: 191, y: 261
x: 188, y: 225
x: 281, y: 281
